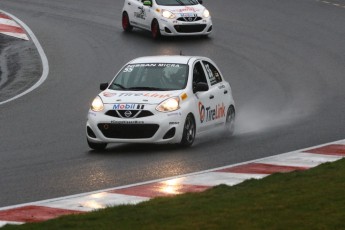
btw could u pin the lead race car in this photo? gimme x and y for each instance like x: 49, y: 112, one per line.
x: 167, y: 17
x: 161, y: 99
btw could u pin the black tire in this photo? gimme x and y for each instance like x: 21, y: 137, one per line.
x: 156, y: 33
x: 126, y: 25
x: 189, y: 128
x: 230, y: 120
x: 97, y: 146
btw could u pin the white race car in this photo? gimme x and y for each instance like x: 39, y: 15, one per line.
x: 161, y: 99
x: 167, y: 17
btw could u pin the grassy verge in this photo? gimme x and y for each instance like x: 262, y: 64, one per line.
x: 313, y: 199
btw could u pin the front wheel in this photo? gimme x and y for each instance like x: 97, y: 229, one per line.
x: 155, y: 31
x: 230, y: 120
x: 189, y: 128
x: 96, y: 146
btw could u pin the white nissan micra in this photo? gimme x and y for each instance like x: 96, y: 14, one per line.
x: 167, y: 17
x: 161, y: 99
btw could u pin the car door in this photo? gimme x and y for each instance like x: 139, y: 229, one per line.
x: 140, y: 14
x: 220, y: 92
x: 149, y: 15
x: 205, y: 99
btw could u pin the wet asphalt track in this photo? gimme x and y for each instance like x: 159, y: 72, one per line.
x: 284, y: 60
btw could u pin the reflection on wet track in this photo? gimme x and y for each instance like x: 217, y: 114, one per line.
x: 284, y: 61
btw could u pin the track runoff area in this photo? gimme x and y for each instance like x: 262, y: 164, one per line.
x: 303, y: 159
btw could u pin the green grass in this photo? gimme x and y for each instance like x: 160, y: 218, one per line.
x: 313, y: 199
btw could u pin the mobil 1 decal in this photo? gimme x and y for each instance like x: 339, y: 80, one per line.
x: 128, y: 106
x: 210, y: 114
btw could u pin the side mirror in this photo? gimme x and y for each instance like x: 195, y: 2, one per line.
x: 147, y: 3
x: 103, y: 86
x: 200, y: 87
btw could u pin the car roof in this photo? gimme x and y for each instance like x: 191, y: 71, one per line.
x: 165, y: 59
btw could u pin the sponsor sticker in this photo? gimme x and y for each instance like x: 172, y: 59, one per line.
x: 187, y: 15
x: 130, y: 68
x: 210, y: 114
x: 141, y: 14
x: 156, y: 95
x: 108, y: 94
x: 128, y: 106
x: 174, y: 114
x: 212, y: 78
x: 186, y: 9
x: 92, y: 114
x: 127, y: 122
x: 201, y: 112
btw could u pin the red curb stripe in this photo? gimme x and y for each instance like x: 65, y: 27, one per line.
x: 11, y: 29
x: 336, y: 150
x: 258, y: 168
x: 160, y: 189
x: 4, y: 16
x: 34, y: 214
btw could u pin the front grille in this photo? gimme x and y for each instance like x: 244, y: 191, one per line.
x: 190, y: 28
x: 131, y: 114
x: 189, y: 19
x: 128, y: 131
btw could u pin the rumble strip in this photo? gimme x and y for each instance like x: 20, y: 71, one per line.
x: 10, y: 27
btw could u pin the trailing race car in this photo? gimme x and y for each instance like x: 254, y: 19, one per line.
x: 161, y: 99
x: 167, y: 17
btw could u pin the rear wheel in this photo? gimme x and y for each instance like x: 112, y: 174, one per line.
x: 156, y: 33
x: 230, y: 120
x: 96, y: 146
x: 126, y: 25
x: 189, y: 128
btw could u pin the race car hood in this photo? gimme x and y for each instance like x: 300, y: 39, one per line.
x: 195, y: 9
x: 146, y: 97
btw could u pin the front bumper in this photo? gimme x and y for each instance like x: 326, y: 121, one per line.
x: 173, y: 27
x: 157, y: 128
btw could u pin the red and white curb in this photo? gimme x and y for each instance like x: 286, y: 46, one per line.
x: 10, y: 27
x: 196, y: 182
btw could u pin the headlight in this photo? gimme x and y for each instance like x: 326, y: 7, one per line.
x: 169, y: 105
x: 206, y: 13
x: 168, y: 14
x: 97, y: 104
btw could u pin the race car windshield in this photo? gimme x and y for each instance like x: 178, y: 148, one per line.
x: 177, y: 2
x: 151, y: 77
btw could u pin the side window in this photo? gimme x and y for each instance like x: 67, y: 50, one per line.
x: 212, y: 72
x: 198, y: 74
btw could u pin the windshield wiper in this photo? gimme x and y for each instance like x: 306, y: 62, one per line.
x: 181, y: 3
x: 192, y: 2
x: 119, y: 85
x: 147, y: 88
